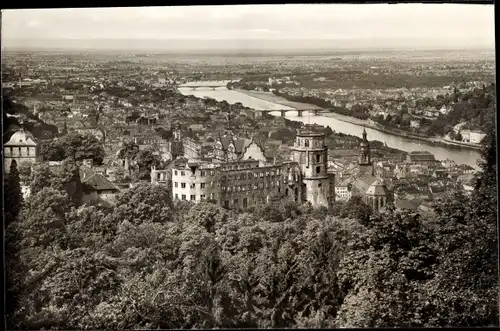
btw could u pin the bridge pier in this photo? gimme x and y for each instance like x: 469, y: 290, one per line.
x: 315, y: 112
x: 299, y: 113
x: 283, y: 112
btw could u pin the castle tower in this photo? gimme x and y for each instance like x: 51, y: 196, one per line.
x: 365, y: 161
x: 311, y: 152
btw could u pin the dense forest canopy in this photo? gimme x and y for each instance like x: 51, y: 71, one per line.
x: 150, y: 263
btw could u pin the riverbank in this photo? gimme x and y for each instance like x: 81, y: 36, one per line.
x: 375, y: 126
x: 269, y: 97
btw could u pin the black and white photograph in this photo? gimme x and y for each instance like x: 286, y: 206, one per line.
x: 252, y: 166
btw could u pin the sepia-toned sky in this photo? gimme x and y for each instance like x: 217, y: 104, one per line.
x: 357, y: 25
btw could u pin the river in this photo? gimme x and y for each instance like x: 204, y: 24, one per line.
x: 460, y: 156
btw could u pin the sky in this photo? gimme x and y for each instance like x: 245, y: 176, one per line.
x: 247, y: 26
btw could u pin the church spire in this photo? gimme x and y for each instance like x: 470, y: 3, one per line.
x: 365, y: 157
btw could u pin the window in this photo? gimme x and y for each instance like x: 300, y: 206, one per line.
x: 245, y: 203
x: 192, y: 185
x: 202, y: 197
x: 175, y: 184
x: 184, y: 197
x: 261, y: 175
x: 226, y: 203
x: 319, y: 185
x: 223, y: 189
x: 28, y: 151
x: 236, y: 202
x: 318, y: 158
x: 193, y: 197
x: 318, y: 169
x: 182, y: 173
x: 202, y: 185
x: 242, y: 176
x: 19, y: 150
x: 183, y: 185
x: 176, y: 196
x: 307, y: 143
x: 203, y: 173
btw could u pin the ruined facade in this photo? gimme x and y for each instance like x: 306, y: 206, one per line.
x: 246, y: 183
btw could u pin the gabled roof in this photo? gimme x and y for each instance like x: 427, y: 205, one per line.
x: 92, y: 181
x: 407, y: 204
x: 225, y: 141
x: 22, y: 138
x: 241, y: 144
x: 377, y: 188
x: 364, y: 182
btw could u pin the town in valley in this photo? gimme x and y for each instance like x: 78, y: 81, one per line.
x: 167, y: 188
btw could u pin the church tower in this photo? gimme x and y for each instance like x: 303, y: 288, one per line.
x: 311, y: 153
x: 365, y: 161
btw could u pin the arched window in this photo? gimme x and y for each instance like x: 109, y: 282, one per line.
x: 318, y: 158
x: 307, y: 143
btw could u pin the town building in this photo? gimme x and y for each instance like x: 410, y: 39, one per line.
x: 95, y: 187
x: 21, y: 147
x: 229, y: 149
x: 476, y: 136
x: 422, y: 157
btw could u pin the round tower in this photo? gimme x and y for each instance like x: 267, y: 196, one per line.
x: 311, y: 152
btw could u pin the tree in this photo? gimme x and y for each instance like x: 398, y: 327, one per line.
x: 382, y: 272
x: 75, y: 146
x: 144, y: 202
x: 464, y: 290
x: 356, y: 208
x: 207, y: 215
x: 145, y: 159
x: 129, y: 150
x: 25, y: 172
x: 64, y: 177
x: 13, y: 194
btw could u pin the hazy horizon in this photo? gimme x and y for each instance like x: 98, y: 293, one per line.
x: 274, y: 28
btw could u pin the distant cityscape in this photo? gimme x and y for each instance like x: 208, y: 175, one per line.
x: 299, y: 187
